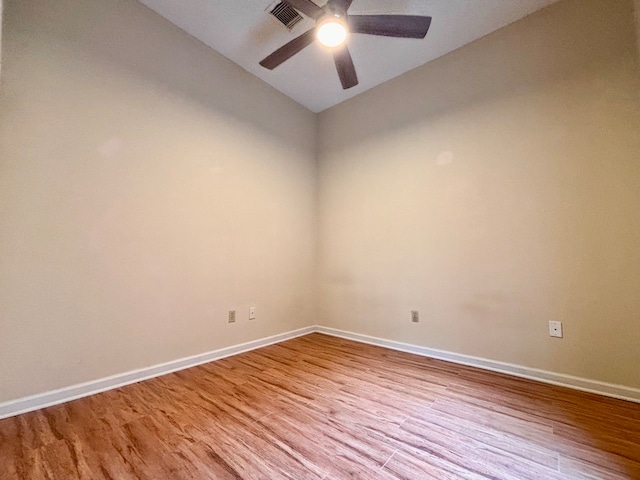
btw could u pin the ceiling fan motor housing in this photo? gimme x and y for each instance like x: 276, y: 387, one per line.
x: 333, y: 12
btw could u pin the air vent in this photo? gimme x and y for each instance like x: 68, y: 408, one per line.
x: 286, y: 14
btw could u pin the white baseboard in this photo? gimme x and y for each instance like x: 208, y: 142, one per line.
x: 62, y: 395
x: 578, y: 383
x: 66, y: 394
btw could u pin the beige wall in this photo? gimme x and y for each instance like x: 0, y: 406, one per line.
x: 495, y: 189
x: 637, y: 12
x: 147, y: 186
x: 1, y: 17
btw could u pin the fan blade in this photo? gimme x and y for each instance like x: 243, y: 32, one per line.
x: 342, y: 4
x: 344, y: 65
x: 307, y: 7
x: 404, y: 26
x: 289, y: 50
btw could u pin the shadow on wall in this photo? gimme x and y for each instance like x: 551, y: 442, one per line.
x: 637, y: 12
x: 1, y: 21
x: 487, y: 69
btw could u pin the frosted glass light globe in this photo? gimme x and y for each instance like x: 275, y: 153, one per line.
x: 332, y: 33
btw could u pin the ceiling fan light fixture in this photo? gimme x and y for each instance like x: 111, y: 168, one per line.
x: 332, y: 31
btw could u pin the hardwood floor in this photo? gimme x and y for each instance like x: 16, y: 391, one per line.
x: 319, y: 407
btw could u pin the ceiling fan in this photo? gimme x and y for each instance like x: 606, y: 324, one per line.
x: 333, y: 24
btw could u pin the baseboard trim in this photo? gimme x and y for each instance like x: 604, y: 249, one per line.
x: 62, y: 395
x: 578, y: 383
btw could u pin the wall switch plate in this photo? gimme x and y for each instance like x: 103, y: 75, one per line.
x: 555, y: 329
x: 232, y: 316
x: 252, y: 313
x: 415, y: 316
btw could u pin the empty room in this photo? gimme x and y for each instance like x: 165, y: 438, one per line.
x: 320, y: 239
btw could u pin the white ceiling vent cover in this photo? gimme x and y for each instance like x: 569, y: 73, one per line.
x: 285, y: 14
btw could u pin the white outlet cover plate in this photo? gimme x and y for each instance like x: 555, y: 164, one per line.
x: 252, y: 313
x: 555, y: 329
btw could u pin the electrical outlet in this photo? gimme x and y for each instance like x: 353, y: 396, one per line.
x: 252, y: 313
x: 415, y: 316
x: 232, y: 316
x: 555, y: 329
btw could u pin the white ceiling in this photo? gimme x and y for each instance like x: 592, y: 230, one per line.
x: 244, y: 32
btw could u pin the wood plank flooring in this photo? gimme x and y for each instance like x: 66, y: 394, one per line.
x: 323, y: 408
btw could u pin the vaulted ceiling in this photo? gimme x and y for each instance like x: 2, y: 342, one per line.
x: 245, y: 32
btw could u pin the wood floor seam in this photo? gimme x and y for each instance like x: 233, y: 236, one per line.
x: 385, y: 463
